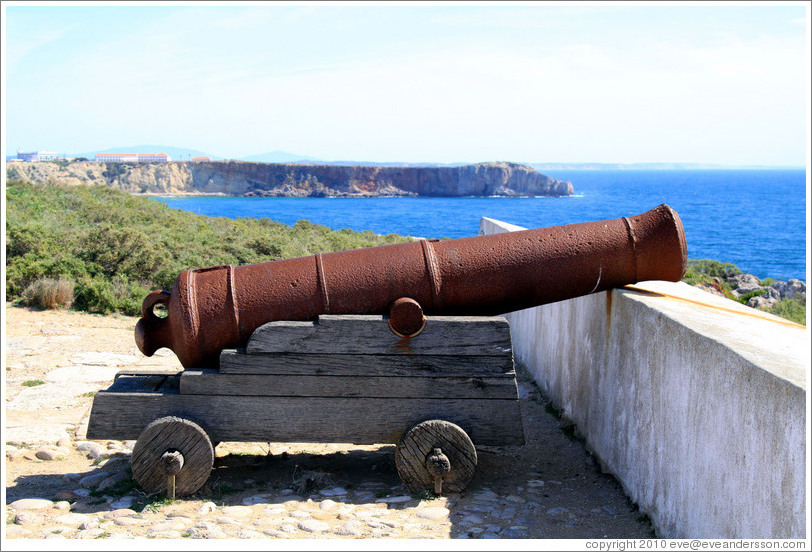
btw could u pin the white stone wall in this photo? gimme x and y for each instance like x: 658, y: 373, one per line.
x: 695, y: 403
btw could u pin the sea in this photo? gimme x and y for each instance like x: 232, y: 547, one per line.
x: 755, y: 219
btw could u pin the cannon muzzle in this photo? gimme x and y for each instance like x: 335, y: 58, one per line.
x: 211, y: 309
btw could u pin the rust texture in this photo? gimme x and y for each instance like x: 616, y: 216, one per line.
x: 210, y: 309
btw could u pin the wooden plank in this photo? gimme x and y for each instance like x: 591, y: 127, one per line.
x: 211, y: 382
x: 123, y: 416
x: 370, y: 334
x: 144, y: 383
x: 234, y: 362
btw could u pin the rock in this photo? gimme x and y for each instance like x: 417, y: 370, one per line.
x: 13, y: 454
x: 257, y: 499
x: 119, y: 512
x: 28, y: 518
x: 274, y: 534
x: 249, y: 534
x: 349, y: 528
x: 789, y: 289
x: 206, y: 508
x: 166, y: 535
x: 743, y: 283
x: 47, y: 455
x: 761, y: 302
x: 323, y: 516
x: 300, y: 514
x: 313, y: 526
x: 31, y: 504
x: 557, y: 511
x: 395, y: 499
x: 208, y: 532
x: 514, y: 532
x: 65, y: 496
x: 327, y: 504
x: 112, y: 480
x: 516, y: 499
x: 287, y: 528
x: 94, y: 533
x: 64, y: 442
x: 123, y: 502
x: 335, y: 491
x: 82, y: 493
x: 237, y: 511
x: 433, y: 513
x: 93, y: 450
x: 169, y: 525
x: 91, y: 523
x: 535, y: 483
x: 92, y: 480
x: 16, y: 532
x: 76, y: 520
x: 62, y: 505
x: 471, y: 519
x: 126, y: 521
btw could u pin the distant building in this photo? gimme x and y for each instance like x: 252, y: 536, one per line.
x: 132, y: 157
x: 37, y: 155
x: 200, y: 159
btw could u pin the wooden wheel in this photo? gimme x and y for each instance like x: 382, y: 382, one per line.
x: 436, y: 455
x: 152, y: 466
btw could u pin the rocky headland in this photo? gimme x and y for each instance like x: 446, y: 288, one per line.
x: 235, y: 178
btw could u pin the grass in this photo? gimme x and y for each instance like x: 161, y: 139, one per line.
x: 49, y: 293
x: 156, y: 504
x: 33, y: 383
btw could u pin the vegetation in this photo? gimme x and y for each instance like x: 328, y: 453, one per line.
x: 715, y: 274
x: 114, y: 248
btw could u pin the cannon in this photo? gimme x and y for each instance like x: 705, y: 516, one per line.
x: 215, y: 308
x: 399, y: 344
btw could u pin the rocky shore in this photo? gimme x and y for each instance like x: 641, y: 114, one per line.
x: 59, y: 485
x: 757, y: 295
x: 297, y: 180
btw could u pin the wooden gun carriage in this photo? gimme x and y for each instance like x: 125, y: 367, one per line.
x: 343, y: 378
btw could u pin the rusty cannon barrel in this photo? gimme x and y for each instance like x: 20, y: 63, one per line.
x: 211, y: 309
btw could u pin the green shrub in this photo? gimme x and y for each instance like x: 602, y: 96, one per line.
x: 792, y: 309
x: 705, y: 270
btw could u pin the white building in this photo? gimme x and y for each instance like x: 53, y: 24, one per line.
x: 132, y: 157
x: 37, y: 155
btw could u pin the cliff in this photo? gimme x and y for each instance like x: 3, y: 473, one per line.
x: 294, y: 180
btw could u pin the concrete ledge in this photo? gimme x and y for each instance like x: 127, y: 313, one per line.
x: 695, y: 403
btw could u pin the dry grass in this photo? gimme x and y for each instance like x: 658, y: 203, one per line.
x: 49, y: 293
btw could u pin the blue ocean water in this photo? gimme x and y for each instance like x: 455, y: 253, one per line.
x: 755, y: 219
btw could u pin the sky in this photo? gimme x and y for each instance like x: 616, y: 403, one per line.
x: 565, y: 83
